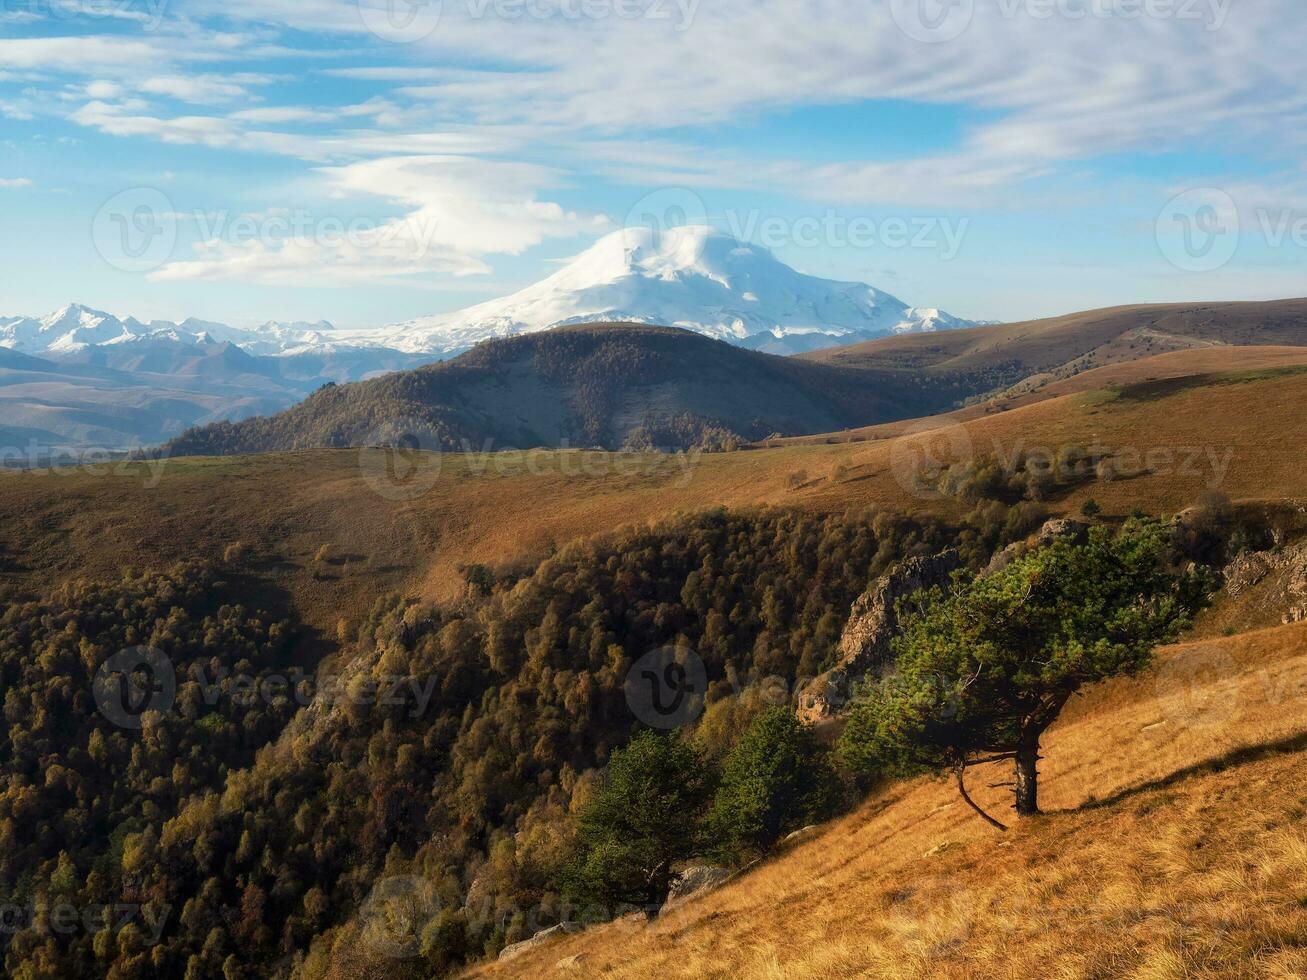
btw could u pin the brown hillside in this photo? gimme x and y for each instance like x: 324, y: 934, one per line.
x: 1237, y: 433
x: 596, y: 385
x: 1066, y: 345
x: 1181, y: 853
x: 1204, y: 362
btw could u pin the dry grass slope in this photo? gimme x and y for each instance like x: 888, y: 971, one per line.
x: 1175, y: 847
x: 1241, y: 433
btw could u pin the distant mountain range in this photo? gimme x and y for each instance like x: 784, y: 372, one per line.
x: 615, y: 386
x: 93, y: 379
x: 637, y: 387
x: 81, y: 378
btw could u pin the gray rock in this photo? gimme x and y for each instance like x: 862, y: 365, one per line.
x: 1052, y: 530
x: 539, y: 939
x: 1252, y: 568
x: 692, y: 881
x: 865, y: 643
x: 803, y: 833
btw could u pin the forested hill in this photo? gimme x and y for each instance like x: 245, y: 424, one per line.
x: 610, y: 385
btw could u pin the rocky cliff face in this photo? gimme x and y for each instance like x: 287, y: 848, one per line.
x: 873, y: 621
x: 865, y: 643
x: 1288, y: 565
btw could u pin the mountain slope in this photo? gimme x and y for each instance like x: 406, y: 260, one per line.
x: 1180, y: 853
x: 996, y: 356
x: 608, y: 385
x: 691, y: 277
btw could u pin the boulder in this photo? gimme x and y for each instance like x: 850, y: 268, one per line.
x: 865, y: 643
x: 1053, y: 530
x: 539, y: 939
x: 692, y: 881
x: 1288, y: 565
x: 803, y: 833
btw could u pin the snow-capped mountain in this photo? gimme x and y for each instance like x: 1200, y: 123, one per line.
x: 75, y: 328
x: 692, y: 277
x: 80, y: 376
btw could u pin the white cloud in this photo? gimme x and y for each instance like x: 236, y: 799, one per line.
x: 15, y: 182
x: 104, y: 90
x: 196, y: 89
x: 457, y: 211
x: 78, y: 54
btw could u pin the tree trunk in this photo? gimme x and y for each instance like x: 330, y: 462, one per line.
x: 1027, y: 788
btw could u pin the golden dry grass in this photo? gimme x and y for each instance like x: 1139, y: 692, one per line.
x: 1242, y: 436
x: 1175, y: 846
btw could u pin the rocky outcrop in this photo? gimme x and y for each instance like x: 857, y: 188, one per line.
x: 865, y: 644
x: 873, y: 621
x: 1056, y: 529
x: 539, y: 939
x: 1252, y: 568
x: 694, y: 880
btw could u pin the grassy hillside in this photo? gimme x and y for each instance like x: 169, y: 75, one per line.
x: 1239, y: 433
x: 1206, y: 363
x: 994, y: 357
x: 606, y: 385
x: 1180, y: 853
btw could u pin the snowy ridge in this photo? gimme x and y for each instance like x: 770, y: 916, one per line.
x: 692, y: 277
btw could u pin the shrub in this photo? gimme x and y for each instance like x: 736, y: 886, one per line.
x: 775, y: 780
x: 645, y: 817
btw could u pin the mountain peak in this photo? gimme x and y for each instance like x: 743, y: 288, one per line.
x: 694, y: 276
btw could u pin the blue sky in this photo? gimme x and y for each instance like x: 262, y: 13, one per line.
x: 366, y: 161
